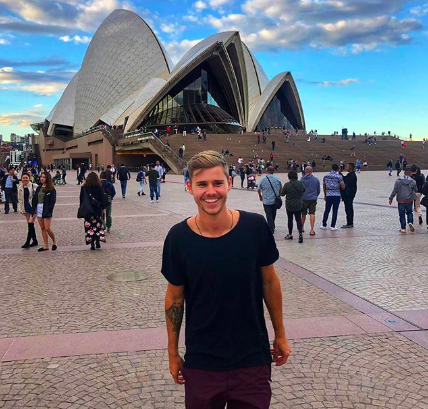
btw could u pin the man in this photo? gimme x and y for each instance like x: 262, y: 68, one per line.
x: 110, y: 192
x: 269, y: 189
x: 389, y: 166
x: 348, y: 195
x: 109, y: 174
x: 332, y: 185
x: 227, y: 358
x: 419, y: 178
x: 123, y: 175
x: 310, y: 197
x: 9, y: 185
x: 160, y: 170
x: 81, y: 173
x: 405, y: 189
x: 273, y: 145
x: 153, y: 176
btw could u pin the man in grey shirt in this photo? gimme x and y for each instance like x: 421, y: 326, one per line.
x: 310, y: 197
x: 269, y: 189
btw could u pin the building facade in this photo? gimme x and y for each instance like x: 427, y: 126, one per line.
x: 128, y: 82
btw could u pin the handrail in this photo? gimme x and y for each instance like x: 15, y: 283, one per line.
x: 156, y: 141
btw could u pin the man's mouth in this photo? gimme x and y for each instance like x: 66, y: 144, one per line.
x: 210, y: 200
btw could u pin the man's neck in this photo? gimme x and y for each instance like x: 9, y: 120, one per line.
x: 215, y: 225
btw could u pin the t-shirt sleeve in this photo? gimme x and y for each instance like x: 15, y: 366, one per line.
x: 268, y: 252
x: 172, y: 264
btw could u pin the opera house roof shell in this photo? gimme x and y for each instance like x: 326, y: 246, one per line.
x: 127, y: 79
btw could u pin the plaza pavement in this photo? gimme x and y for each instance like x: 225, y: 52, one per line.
x: 355, y: 302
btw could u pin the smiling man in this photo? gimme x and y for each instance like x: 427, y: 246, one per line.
x: 219, y: 266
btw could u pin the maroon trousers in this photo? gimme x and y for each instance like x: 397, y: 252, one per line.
x: 246, y: 388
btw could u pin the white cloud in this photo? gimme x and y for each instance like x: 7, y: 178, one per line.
x: 84, y: 15
x: 341, y: 83
x: 3, y: 41
x: 43, y: 83
x: 219, y: 3
x: 38, y: 105
x: 200, y: 5
x: 176, y: 49
x: 22, y: 119
x: 357, y: 25
x: 420, y: 10
x: 76, y: 39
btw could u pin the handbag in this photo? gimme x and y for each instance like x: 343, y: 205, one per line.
x: 85, y: 209
x: 278, y: 200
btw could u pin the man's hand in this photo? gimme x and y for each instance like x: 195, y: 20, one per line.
x: 281, y: 350
x: 390, y: 201
x: 175, y: 365
x: 104, y: 212
x: 261, y: 198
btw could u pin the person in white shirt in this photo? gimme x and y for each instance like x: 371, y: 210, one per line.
x: 160, y: 170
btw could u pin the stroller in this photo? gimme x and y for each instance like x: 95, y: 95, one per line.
x: 251, y: 181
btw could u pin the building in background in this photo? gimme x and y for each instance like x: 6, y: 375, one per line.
x: 218, y: 85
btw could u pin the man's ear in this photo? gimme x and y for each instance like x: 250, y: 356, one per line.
x: 189, y: 187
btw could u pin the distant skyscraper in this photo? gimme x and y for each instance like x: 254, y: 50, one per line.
x: 13, y: 138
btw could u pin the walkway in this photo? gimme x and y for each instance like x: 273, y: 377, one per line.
x: 356, y: 309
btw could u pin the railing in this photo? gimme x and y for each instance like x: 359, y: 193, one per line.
x: 150, y: 137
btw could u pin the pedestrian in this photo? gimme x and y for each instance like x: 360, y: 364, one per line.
x: 293, y: 192
x: 310, y: 198
x: 232, y: 173
x: 161, y: 172
x: 358, y: 165
x: 332, y: 185
x: 186, y: 177
x: 228, y: 358
x: 405, y: 189
x: 9, y: 185
x: 348, y: 195
x: 43, y: 205
x: 273, y: 143
x: 141, y: 178
x: 26, y: 191
x: 113, y: 174
x: 242, y: 174
x: 184, y: 149
x: 389, y: 166
x: 123, y: 175
x: 419, y: 178
x: 93, y: 224
x: 398, y: 167
x: 180, y: 152
x: 184, y: 131
x: 63, y: 175
x: 109, y: 174
x: 109, y: 194
x: 153, y: 176
x: 81, y: 173
x: 269, y: 191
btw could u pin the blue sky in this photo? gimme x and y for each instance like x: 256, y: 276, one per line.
x: 357, y: 63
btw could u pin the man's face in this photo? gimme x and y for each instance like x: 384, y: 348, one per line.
x: 348, y: 168
x: 11, y: 172
x: 209, y: 188
x: 157, y: 163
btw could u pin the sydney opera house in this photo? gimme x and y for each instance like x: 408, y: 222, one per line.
x: 128, y: 82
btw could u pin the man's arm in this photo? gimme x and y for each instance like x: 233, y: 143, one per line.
x: 273, y: 299
x: 394, y: 192
x: 324, y: 188
x: 174, y: 312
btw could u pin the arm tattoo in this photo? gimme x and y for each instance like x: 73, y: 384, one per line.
x: 175, y: 314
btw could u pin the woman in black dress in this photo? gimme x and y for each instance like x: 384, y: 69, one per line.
x: 94, y: 231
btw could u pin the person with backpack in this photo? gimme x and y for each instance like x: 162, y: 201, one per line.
x: 93, y: 223
x: 109, y: 193
x: 389, y: 166
x: 123, y: 175
x: 141, y: 178
x: 153, y: 177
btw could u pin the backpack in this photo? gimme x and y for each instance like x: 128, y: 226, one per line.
x: 140, y: 176
x: 107, y: 193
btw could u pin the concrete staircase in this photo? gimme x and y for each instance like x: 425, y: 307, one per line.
x: 245, y: 145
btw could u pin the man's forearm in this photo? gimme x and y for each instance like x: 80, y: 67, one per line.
x: 174, y: 312
x: 273, y: 298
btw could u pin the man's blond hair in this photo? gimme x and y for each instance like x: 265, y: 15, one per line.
x: 207, y: 160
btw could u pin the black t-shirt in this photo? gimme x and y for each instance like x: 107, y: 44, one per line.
x: 225, y: 326
x: 153, y: 176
